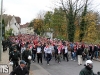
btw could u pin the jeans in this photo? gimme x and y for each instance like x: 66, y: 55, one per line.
x: 66, y: 56
x: 33, y: 56
x: 73, y: 55
x: 39, y: 57
x: 96, y: 54
x: 48, y: 58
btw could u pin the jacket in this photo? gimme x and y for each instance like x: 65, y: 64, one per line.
x: 25, y: 55
x: 14, y: 56
x: 79, y: 51
x: 86, y: 71
x: 19, y: 71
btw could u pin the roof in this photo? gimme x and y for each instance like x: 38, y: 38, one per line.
x: 24, y: 25
x: 18, y: 19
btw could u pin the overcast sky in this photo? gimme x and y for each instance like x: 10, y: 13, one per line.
x: 28, y: 9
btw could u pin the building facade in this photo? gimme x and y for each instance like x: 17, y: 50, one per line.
x: 25, y: 29
x: 14, y: 25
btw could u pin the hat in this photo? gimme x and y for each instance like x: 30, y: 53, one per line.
x: 22, y: 62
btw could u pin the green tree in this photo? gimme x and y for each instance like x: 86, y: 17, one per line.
x: 72, y: 9
x: 38, y: 26
x: 31, y: 24
x: 83, y: 23
x: 8, y: 33
x: 91, y: 32
x: 59, y: 22
x: 47, y: 20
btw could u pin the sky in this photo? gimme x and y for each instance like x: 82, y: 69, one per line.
x: 27, y: 10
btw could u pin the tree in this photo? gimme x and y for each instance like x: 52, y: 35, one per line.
x: 91, y: 32
x: 8, y: 33
x: 38, y: 26
x: 59, y: 23
x: 31, y: 24
x: 71, y: 8
x: 83, y: 23
x: 48, y: 20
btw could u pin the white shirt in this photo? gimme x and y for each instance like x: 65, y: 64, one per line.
x: 66, y: 49
x: 22, y: 49
x: 38, y: 50
x: 49, y: 50
x: 45, y: 49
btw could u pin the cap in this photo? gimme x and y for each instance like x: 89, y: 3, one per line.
x: 22, y: 62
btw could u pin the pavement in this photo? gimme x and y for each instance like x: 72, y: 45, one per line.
x: 36, y: 69
x: 5, y: 60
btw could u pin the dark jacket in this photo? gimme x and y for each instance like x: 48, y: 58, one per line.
x: 79, y: 51
x: 56, y: 50
x: 19, y: 71
x: 14, y: 56
x: 95, y: 48
x: 18, y: 47
x: 12, y: 48
x: 25, y: 55
x: 33, y: 50
x: 86, y: 71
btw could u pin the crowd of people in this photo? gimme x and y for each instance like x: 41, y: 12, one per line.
x: 22, y: 47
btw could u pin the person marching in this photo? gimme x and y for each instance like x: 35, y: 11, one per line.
x: 21, y: 69
x: 79, y: 54
x: 39, y: 53
x: 12, y: 47
x: 26, y: 56
x: 48, y: 50
x: 33, y: 53
x: 65, y: 50
x: 56, y: 51
x: 23, y: 48
x: 14, y: 57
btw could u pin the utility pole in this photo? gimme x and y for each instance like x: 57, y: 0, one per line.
x: 1, y: 29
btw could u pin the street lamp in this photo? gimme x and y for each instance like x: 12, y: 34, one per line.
x: 1, y: 29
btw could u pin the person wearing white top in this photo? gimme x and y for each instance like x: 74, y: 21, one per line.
x: 22, y: 50
x: 65, y: 50
x: 39, y: 53
x: 49, y: 52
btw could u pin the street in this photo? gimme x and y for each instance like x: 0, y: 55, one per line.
x: 64, y: 68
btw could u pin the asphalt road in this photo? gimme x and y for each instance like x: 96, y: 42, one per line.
x: 64, y: 68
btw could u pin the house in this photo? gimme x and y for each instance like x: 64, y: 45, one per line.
x: 14, y: 24
x: 49, y: 33
x: 25, y: 29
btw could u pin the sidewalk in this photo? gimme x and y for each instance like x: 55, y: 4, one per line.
x: 5, y: 61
